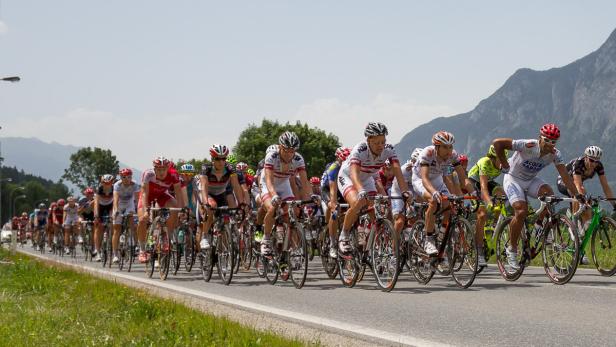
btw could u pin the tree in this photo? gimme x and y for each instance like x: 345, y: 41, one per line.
x: 317, y: 147
x: 88, y: 165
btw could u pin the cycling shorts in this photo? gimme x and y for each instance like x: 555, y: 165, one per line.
x: 345, y: 184
x: 517, y: 189
x: 437, y: 183
x: 124, y: 208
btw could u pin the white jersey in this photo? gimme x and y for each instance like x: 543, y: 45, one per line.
x: 407, y: 173
x: 526, y: 161
x: 71, y: 212
x: 126, y: 192
x: 282, y: 171
x: 437, y: 167
x: 369, y: 165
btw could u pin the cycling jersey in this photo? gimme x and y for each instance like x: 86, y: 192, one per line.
x: 386, y: 181
x: 281, y: 172
x: 215, y: 185
x: 437, y: 167
x: 126, y: 193
x: 577, y: 167
x: 105, y: 196
x: 329, y: 175
x: 41, y: 215
x: 484, y: 167
x: 72, y: 216
x: 527, y: 161
x: 58, y: 214
x: 369, y: 164
x: 158, y: 190
x: 397, y: 205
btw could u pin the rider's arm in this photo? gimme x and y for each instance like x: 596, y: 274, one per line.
x: 237, y: 189
x: 116, y: 198
x: 485, y: 193
x: 399, y: 177
x: 63, y: 215
x: 500, y: 145
x: 96, y: 206
x: 451, y: 185
x: 333, y: 192
x: 462, y: 178
x: 562, y: 171
x: 355, y: 177
x: 269, y: 181
x: 606, y: 187
x: 425, y: 179
x: 204, y: 186
x: 379, y: 186
x: 177, y: 191
x: 306, y: 187
x: 577, y: 180
x: 144, y: 196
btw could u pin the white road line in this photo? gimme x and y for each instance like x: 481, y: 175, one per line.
x: 328, y: 324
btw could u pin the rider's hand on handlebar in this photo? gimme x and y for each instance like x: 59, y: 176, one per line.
x: 275, y: 200
x: 407, y: 195
x: 580, y: 198
x: 436, y: 196
x: 362, y: 195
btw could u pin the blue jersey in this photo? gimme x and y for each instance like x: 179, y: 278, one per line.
x: 330, y: 175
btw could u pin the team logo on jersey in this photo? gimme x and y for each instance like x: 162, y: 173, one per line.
x: 530, y: 144
x: 532, y: 166
x: 363, y: 147
x: 388, y: 146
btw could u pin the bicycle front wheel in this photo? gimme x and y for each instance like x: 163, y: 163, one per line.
x: 603, y: 247
x: 465, y: 255
x: 385, y: 256
x: 225, y: 252
x: 298, y: 257
x: 560, y: 253
x: 501, y: 235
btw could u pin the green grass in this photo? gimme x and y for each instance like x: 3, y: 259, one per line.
x: 44, y: 305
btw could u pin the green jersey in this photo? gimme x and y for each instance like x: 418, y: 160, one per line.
x: 484, y: 167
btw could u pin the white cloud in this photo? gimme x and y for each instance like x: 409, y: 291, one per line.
x: 3, y: 28
x: 347, y: 120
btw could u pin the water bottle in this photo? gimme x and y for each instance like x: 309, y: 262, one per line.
x: 407, y: 234
x: 122, y: 239
x: 181, y: 236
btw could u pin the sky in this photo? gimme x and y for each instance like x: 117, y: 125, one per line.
x: 147, y: 78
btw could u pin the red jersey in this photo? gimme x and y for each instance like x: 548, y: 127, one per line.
x: 157, y: 187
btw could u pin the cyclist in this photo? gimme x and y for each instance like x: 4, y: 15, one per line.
x: 282, y: 164
x: 103, y: 204
x: 482, y: 177
x: 315, y: 185
x: 520, y: 180
x: 58, y: 219
x: 331, y: 196
x: 435, y: 166
x: 50, y: 227
x: 386, y: 177
x: 581, y: 169
x: 155, y: 186
x: 125, y: 193
x: 219, y: 186
x: 356, y: 179
x: 398, y: 206
x: 40, y: 220
x: 70, y: 221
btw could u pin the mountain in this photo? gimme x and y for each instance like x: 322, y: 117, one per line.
x: 579, y: 97
x: 40, y: 158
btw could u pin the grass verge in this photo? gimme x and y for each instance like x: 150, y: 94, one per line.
x: 47, y: 305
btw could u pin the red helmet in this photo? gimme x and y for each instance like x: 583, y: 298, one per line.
x: 314, y: 180
x: 126, y: 172
x: 550, y: 131
x: 219, y: 151
x: 61, y: 202
x: 241, y: 166
x: 443, y: 138
x: 88, y: 191
x: 342, y: 153
x: 462, y: 158
x: 160, y: 162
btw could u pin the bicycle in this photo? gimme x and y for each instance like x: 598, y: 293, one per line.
x: 560, y: 254
x: 289, y: 258
x: 330, y: 265
x: 158, y: 244
x: 186, y: 243
x: 456, y: 243
x: 126, y: 242
x: 222, y: 250
x: 601, y: 233
x: 106, y: 248
x: 86, y: 246
x: 378, y: 248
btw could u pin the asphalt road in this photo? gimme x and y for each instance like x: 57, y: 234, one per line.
x: 531, y: 311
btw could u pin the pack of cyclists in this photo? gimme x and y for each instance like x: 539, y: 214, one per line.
x: 419, y: 189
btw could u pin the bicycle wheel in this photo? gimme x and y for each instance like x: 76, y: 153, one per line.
x: 465, y: 254
x: 561, y: 254
x: 270, y: 269
x: 189, y: 250
x: 501, y: 235
x: 151, y: 254
x: 259, y: 264
x: 130, y: 249
x: 349, y: 265
x: 176, y: 254
x: 122, y: 250
x: 206, y: 258
x: 385, y: 256
x: 298, y: 257
x: 245, y: 248
x: 603, y: 247
x: 225, y: 253
x: 330, y: 265
x: 164, y: 253
x: 421, y: 264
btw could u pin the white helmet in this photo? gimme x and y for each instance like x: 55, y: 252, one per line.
x: 270, y: 149
x: 593, y: 152
x: 375, y: 129
x: 289, y: 139
x: 415, y: 154
x: 443, y: 138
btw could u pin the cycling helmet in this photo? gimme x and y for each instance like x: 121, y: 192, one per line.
x: 126, y: 172
x: 593, y: 152
x: 88, y: 191
x: 187, y: 169
x: 24, y: 214
x: 443, y: 138
x: 241, y: 166
x: 375, y: 129
x: 107, y: 178
x: 270, y: 149
x: 70, y: 199
x: 314, y: 180
x: 462, y: 158
x: 550, y: 131
x: 415, y: 154
x: 160, y: 162
x: 250, y: 171
x: 61, y: 202
x: 219, y: 151
x: 231, y: 159
x: 492, y: 152
x: 289, y: 140
x: 42, y: 206
x: 342, y: 153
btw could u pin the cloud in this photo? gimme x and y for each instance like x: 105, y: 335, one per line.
x: 3, y: 28
x: 347, y: 120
